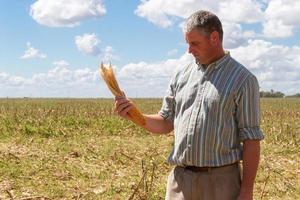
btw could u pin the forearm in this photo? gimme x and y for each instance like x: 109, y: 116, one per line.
x: 156, y: 124
x: 251, y: 152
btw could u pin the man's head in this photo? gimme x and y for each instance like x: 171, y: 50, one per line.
x: 204, y: 35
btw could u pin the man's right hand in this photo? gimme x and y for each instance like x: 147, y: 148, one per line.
x: 122, y: 106
x: 154, y: 123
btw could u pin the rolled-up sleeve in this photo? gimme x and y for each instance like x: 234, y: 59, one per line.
x: 168, y: 106
x: 248, y: 111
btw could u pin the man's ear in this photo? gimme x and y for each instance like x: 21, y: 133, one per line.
x: 214, y: 38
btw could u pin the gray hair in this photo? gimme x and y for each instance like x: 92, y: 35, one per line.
x: 204, y: 21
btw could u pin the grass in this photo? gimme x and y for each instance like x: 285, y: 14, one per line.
x: 78, y: 149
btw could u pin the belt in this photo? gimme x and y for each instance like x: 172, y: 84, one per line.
x: 206, y: 169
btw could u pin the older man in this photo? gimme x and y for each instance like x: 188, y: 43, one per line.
x: 212, y: 105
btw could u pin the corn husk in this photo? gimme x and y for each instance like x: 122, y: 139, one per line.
x: 110, y: 80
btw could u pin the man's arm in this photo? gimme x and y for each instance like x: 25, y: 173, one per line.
x: 157, y: 124
x: 154, y: 123
x: 251, y: 152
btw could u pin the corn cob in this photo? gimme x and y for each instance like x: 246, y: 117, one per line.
x: 111, y: 82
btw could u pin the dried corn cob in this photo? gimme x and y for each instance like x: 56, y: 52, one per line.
x: 111, y: 82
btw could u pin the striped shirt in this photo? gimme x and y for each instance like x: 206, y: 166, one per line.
x: 213, y: 110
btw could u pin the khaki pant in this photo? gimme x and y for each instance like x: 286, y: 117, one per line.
x: 216, y: 184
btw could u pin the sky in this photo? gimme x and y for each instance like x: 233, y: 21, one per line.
x: 52, y: 48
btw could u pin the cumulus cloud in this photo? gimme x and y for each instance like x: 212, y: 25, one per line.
x: 276, y: 66
x: 62, y: 74
x: 10, y: 80
x: 134, y: 78
x: 60, y: 81
x: 3, y: 78
x: 164, y: 13
x: 234, y: 36
x: 61, y: 63
x: 88, y: 44
x: 65, y: 13
x: 240, y: 11
x: 107, y: 54
x: 276, y: 29
x: 277, y: 17
x: 144, y: 79
x: 32, y: 52
x: 280, y: 18
x: 172, y: 52
x: 143, y: 70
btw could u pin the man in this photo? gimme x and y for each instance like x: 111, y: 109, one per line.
x: 213, y: 107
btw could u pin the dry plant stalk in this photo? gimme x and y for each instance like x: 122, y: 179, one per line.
x: 110, y: 79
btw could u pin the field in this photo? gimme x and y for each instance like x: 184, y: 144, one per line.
x: 79, y: 149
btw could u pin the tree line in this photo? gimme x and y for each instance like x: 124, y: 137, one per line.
x: 277, y: 94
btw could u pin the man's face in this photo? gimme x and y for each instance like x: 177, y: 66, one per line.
x: 200, y: 46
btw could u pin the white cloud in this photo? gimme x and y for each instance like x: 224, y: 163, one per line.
x: 234, y: 35
x: 3, y: 77
x: 172, y: 52
x: 165, y: 12
x: 276, y: 66
x: 240, y: 11
x: 277, y: 17
x: 153, y: 70
x: 18, y: 81
x: 281, y: 20
x: 61, y: 63
x: 60, y: 81
x: 107, y: 54
x: 150, y: 79
x: 286, y: 10
x: 61, y: 75
x: 88, y: 44
x: 65, y: 13
x: 9, y: 80
x: 276, y: 29
x: 32, y: 52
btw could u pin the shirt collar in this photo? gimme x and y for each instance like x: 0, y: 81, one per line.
x: 217, y: 64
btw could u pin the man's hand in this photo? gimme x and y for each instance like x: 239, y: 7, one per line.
x: 251, y: 152
x: 154, y: 123
x: 123, y: 106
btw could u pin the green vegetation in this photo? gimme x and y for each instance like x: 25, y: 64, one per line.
x: 277, y: 94
x: 79, y: 149
x: 271, y: 94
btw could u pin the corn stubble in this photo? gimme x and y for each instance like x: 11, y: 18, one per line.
x: 110, y: 80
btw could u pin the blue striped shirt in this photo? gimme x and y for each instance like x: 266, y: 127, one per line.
x: 213, y: 110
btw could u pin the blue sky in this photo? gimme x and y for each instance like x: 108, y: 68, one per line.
x: 52, y: 48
